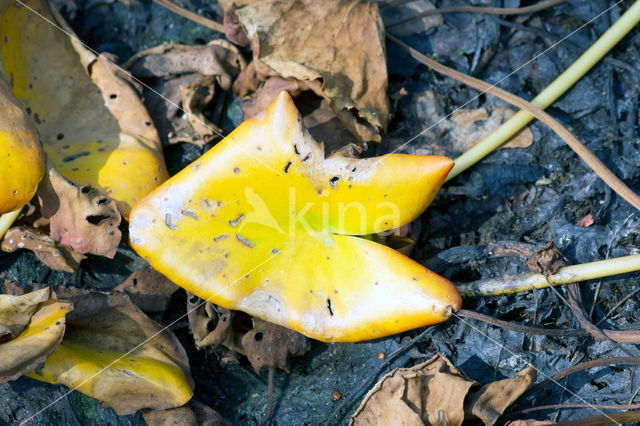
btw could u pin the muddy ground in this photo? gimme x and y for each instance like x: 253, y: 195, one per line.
x: 527, y: 196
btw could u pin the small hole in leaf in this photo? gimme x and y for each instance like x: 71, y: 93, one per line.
x: 334, y: 181
x: 259, y: 336
x: 113, y: 96
x: 86, y: 189
x: 97, y: 219
x: 236, y: 170
x: 60, y: 136
x: 135, y: 282
x: 103, y: 201
x: 353, y: 170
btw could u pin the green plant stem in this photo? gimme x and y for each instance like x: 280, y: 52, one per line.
x: 566, y: 275
x: 6, y: 220
x: 549, y: 95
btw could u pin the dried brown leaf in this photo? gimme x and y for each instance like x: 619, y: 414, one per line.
x: 435, y: 393
x: 214, y: 325
x: 547, y: 260
x: 194, y: 413
x: 149, y: 290
x: 490, y: 401
x: 339, y: 48
x: 81, y: 217
x: 55, y: 256
x: 31, y: 327
x: 270, y: 345
x: 265, y: 345
x: 191, y: 76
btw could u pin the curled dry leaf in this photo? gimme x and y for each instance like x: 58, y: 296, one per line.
x: 191, y: 76
x: 149, y: 290
x: 93, y: 126
x: 340, y: 48
x: 195, y: 413
x: 436, y: 392
x: 21, y: 154
x: 214, y: 325
x: 80, y: 217
x: 227, y: 219
x: 55, y: 256
x: 113, y: 352
x: 31, y: 327
x: 265, y: 345
x: 270, y: 345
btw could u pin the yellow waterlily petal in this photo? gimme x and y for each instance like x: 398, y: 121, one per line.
x: 255, y: 225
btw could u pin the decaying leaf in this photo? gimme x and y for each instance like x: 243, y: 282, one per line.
x: 140, y: 363
x: 21, y: 154
x: 93, y: 126
x: 489, y: 402
x: 547, y: 259
x: 271, y: 233
x: 214, y: 325
x: 317, y: 116
x: 81, y: 217
x: 55, y: 256
x: 31, y: 327
x: 195, y: 413
x: 270, y: 345
x: 148, y: 290
x: 191, y: 76
x: 264, y: 344
x: 436, y: 393
x: 340, y: 47
x: 465, y: 128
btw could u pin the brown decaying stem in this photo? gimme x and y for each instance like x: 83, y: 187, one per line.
x: 212, y: 25
x: 604, y: 419
x: 486, y: 10
x: 602, y: 362
x: 583, y: 152
x: 519, y: 327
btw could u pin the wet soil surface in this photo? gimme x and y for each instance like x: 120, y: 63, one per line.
x: 527, y: 196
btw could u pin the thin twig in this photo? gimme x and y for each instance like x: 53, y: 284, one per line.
x: 486, y: 10
x: 519, y: 327
x: 567, y: 406
x: 575, y: 303
x: 587, y: 156
x: 604, y: 419
x: 270, y: 384
x: 602, y: 362
x: 179, y: 10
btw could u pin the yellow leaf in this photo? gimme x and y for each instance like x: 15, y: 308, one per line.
x: 254, y: 225
x: 21, y: 155
x: 93, y: 126
x: 36, y: 324
x: 113, y: 352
